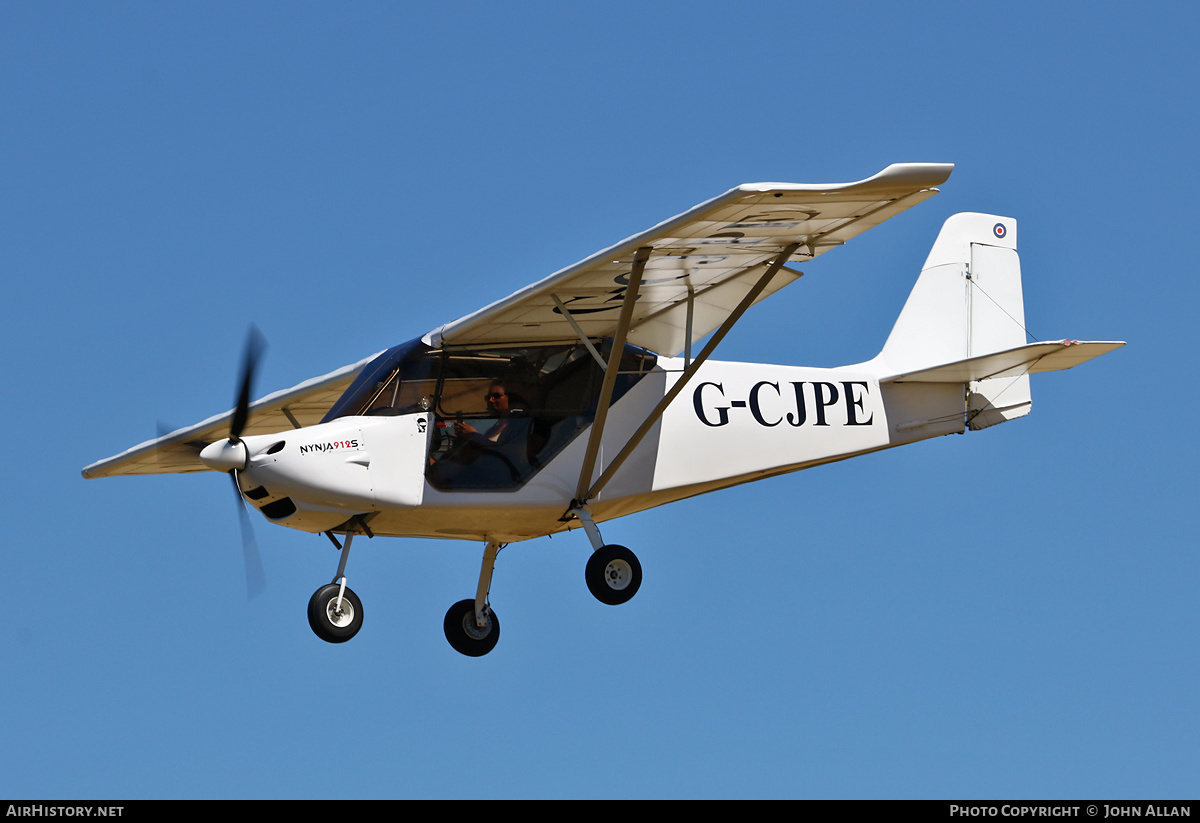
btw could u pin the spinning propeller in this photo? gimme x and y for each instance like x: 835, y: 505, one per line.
x: 231, y: 456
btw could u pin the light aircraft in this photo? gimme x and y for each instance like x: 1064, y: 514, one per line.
x: 579, y: 399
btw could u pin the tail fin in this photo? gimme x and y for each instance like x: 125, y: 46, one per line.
x: 967, y: 303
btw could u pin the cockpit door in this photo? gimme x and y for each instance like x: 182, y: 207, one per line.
x: 398, y: 448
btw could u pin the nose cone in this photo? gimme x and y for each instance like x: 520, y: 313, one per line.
x: 225, y: 455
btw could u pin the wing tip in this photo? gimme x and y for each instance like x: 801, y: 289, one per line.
x: 917, y: 176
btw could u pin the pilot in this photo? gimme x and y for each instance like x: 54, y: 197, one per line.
x: 495, y: 458
x: 498, y: 404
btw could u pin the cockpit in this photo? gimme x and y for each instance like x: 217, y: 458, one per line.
x: 498, y: 414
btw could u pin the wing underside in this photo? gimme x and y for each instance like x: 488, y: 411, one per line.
x: 301, y: 405
x: 702, y: 263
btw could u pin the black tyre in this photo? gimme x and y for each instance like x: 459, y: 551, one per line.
x: 613, y: 574
x: 466, y: 637
x: 330, y: 624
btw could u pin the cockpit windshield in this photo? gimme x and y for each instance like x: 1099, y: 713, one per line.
x: 399, y: 381
x: 499, y: 414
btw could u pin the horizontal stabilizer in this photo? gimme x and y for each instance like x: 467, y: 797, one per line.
x: 1029, y: 359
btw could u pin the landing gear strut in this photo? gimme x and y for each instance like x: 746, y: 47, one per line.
x: 613, y: 573
x: 334, y: 612
x: 471, y: 627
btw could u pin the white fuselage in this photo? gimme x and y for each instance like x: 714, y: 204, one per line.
x: 732, y: 423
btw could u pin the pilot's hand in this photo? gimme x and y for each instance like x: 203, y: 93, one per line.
x: 464, y: 430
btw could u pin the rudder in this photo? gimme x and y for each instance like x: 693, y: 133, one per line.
x: 966, y: 303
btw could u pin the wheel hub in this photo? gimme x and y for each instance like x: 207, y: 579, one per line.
x: 340, y: 617
x: 618, y: 574
x: 472, y: 630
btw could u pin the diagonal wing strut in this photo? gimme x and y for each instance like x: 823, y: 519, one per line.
x: 610, y: 372
x: 747, y: 301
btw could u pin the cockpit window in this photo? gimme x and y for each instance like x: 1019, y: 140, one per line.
x: 499, y: 414
x: 402, y: 380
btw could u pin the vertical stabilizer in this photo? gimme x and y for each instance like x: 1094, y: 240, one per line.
x: 967, y: 303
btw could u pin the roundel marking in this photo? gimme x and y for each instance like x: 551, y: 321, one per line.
x: 999, y: 230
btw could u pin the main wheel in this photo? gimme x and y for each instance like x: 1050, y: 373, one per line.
x: 466, y: 637
x: 331, y: 624
x: 613, y: 574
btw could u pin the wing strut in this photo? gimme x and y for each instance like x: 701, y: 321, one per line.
x: 691, y: 310
x: 610, y: 372
x: 688, y: 373
x: 579, y: 331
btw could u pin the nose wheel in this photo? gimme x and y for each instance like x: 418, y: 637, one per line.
x: 335, y: 613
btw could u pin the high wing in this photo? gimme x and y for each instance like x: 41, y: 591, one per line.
x: 302, y: 405
x: 710, y: 257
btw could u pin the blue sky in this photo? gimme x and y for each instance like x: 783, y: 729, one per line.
x: 1009, y: 613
